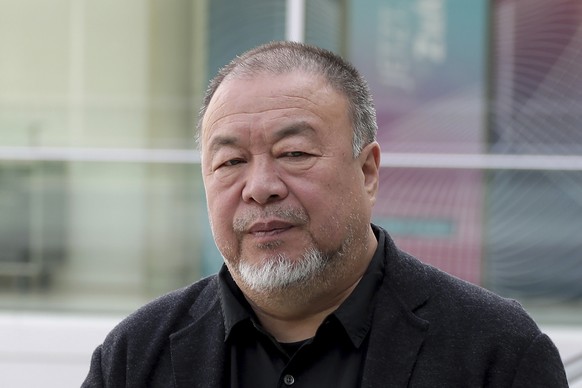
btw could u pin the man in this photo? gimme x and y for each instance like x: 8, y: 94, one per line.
x: 312, y: 294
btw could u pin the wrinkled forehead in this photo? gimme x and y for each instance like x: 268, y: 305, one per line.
x: 261, y: 92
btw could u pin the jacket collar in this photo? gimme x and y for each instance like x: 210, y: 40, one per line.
x: 198, y: 352
x: 396, y: 336
x: 395, y: 341
x: 398, y: 333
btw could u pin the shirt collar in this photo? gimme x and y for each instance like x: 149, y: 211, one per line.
x: 234, y: 305
x: 354, y: 314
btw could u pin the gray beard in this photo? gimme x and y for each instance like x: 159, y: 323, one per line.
x: 279, y: 272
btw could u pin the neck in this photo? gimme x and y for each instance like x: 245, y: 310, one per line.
x: 292, y: 322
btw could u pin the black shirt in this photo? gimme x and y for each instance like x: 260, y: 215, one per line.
x: 334, y: 357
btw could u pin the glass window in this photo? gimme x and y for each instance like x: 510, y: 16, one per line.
x: 100, y: 191
x: 478, y: 113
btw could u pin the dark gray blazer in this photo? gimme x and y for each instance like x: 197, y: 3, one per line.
x: 430, y: 330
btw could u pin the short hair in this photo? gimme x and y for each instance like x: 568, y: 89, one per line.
x: 283, y: 57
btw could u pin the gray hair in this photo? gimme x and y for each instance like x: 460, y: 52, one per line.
x: 283, y: 57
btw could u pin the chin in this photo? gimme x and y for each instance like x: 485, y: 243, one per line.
x: 280, y: 271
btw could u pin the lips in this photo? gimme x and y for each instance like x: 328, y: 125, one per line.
x: 269, y: 221
x: 266, y: 228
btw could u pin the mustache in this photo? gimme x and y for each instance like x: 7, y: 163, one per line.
x: 295, y: 216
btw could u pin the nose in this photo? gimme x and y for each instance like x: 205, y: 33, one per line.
x: 263, y: 183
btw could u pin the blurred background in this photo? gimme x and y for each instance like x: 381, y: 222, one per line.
x: 101, y: 200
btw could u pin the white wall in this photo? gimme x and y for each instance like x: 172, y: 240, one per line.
x: 48, y: 351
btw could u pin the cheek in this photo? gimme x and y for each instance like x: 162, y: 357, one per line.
x: 221, y: 203
x: 330, y: 201
x: 222, y: 231
x: 321, y: 200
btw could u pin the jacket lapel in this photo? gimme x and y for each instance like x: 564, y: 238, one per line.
x: 396, y: 336
x: 395, y: 341
x: 398, y: 333
x: 200, y: 344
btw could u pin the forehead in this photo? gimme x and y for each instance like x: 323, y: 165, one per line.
x: 263, y: 99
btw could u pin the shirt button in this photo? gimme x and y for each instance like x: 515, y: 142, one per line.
x: 288, y: 380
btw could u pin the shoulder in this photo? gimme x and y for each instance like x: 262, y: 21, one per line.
x: 443, y: 298
x: 139, y: 346
x: 448, y: 303
x: 474, y: 330
x: 149, y: 327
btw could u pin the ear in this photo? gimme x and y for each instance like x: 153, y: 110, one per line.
x: 370, y: 163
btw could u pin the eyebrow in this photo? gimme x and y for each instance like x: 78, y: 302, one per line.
x: 222, y: 141
x: 294, y: 129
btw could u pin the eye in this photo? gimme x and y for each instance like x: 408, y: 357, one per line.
x: 232, y: 162
x: 295, y: 154
x: 227, y: 164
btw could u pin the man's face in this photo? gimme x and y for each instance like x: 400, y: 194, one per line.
x: 279, y: 174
